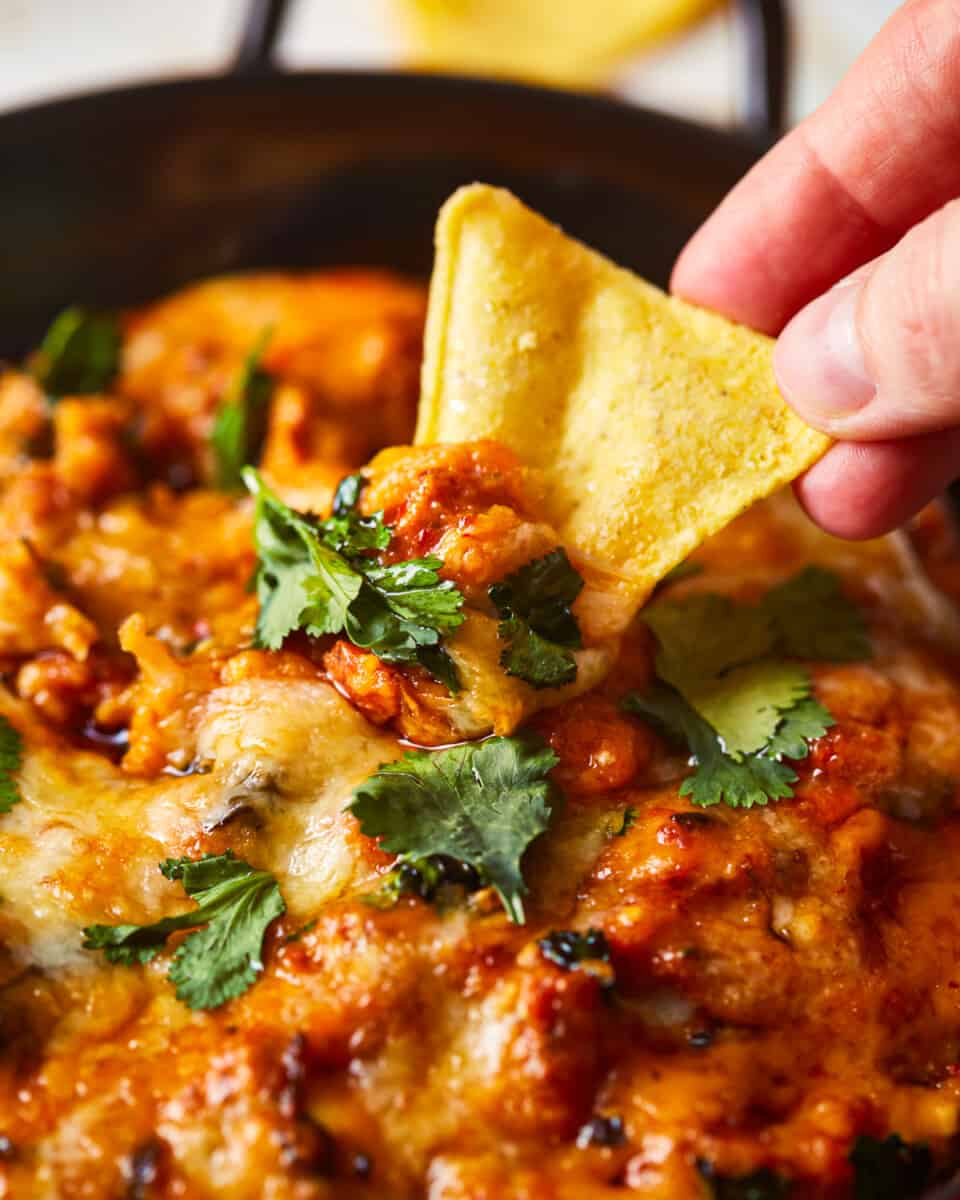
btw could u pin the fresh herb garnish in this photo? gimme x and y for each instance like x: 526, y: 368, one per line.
x: 742, y: 782
x: 480, y: 804
x: 730, y: 692
x: 79, y: 355
x: 573, y: 950
x: 758, y: 1185
x: 235, y: 903
x: 11, y: 757
x: 431, y: 879
x: 318, y: 576
x: 891, y: 1169
x: 627, y: 821
x: 537, y: 622
x: 241, y: 422
x: 347, y: 496
x: 300, y: 934
x: 813, y: 619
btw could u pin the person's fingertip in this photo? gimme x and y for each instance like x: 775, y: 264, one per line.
x: 833, y: 510
x: 862, y: 490
x: 819, y: 359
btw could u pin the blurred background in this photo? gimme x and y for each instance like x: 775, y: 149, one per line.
x: 678, y: 55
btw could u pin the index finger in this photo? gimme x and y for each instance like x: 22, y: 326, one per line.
x: 880, y: 155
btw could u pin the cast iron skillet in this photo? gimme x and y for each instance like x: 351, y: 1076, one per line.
x: 115, y: 197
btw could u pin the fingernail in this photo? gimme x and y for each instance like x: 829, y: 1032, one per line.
x: 819, y: 359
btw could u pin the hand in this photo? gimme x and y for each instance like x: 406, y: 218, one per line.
x: 848, y: 233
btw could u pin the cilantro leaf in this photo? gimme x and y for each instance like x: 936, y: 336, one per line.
x: 317, y: 576
x: 414, y: 591
x: 572, y: 950
x: 813, y: 619
x: 347, y: 496
x: 752, y: 780
x: 746, y: 706
x: 703, y: 636
x: 11, y: 757
x: 541, y: 593
x: 537, y: 622
x: 301, y: 582
x: 481, y: 804
x: 80, y: 354
x: 429, y: 878
x: 241, y: 422
x: 802, y: 724
x: 351, y: 535
x: 401, y: 613
x: 347, y: 531
x: 628, y: 818
x: 891, y: 1169
x: 535, y: 659
x: 235, y: 904
x: 737, y: 700
x: 441, y: 666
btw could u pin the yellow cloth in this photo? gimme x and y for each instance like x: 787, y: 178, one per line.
x: 573, y: 43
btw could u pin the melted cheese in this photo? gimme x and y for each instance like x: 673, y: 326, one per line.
x: 84, y: 845
x: 785, y: 979
x: 293, y: 751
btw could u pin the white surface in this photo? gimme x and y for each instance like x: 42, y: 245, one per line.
x: 52, y: 47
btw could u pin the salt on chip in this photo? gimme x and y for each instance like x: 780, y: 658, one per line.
x: 651, y: 423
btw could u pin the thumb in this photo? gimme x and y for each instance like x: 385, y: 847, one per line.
x: 878, y: 356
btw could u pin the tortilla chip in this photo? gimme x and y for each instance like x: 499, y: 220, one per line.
x: 650, y: 422
x: 576, y: 43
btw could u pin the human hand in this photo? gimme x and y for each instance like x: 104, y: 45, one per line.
x: 848, y: 234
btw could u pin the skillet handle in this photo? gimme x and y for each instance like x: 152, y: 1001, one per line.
x: 262, y: 27
x: 766, y: 33
x: 765, y: 29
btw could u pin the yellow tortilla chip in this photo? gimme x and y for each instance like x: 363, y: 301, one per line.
x: 650, y: 422
x: 575, y: 43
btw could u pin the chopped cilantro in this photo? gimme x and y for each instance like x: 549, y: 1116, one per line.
x: 241, y: 422
x: 750, y: 780
x: 299, y: 934
x: 481, y: 804
x: 80, y: 354
x: 746, y: 706
x: 537, y: 622
x: 573, y: 950
x: 891, y: 1169
x: 317, y: 576
x: 627, y: 821
x: 11, y: 756
x: 431, y: 879
x: 758, y: 1185
x: 705, y: 635
x: 235, y: 904
x: 441, y: 666
x: 737, y: 697
x: 802, y: 724
x: 347, y: 531
x: 347, y: 496
x: 813, y: 619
